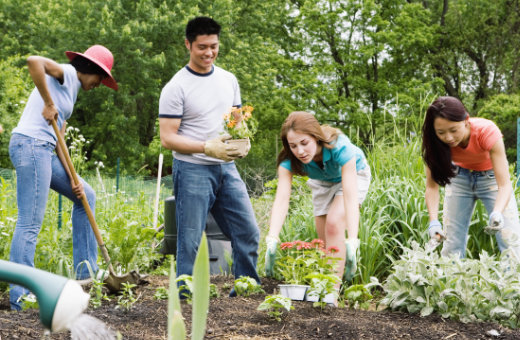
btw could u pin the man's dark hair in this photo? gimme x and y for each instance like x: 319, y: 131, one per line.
x: 86, y: 66
x: 201, y: 26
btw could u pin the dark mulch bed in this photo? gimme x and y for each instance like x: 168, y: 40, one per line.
x: 237, y: 318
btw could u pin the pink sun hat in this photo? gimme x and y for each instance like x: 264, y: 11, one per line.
x: 102, y: 57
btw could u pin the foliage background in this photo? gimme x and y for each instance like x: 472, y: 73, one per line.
x: 365, y: 66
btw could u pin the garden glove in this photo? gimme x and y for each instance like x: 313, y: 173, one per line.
x: 216, y: 148
x: 270, y: 255
x: 350, y: 258
x: 496, y: 223
x: 435, y: 231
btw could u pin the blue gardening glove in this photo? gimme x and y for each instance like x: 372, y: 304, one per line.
x: 435, y: 231
x: 351, y: 258
x: 270, y: 255
x: 496, y: 223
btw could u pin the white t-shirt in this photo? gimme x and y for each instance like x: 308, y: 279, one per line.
x: 200, y: 101
x: 64, y: 96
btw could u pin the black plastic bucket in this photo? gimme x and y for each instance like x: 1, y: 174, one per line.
x: 219, y: 245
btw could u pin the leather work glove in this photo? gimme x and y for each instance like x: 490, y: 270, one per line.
x: 435, y: 231
x: 216, y: 148
x: 270, y: 255
x: 351, y: 258
x: 496, y: 223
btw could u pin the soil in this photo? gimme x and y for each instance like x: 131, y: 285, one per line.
x: 237, y: 318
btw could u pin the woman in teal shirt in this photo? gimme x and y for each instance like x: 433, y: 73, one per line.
x: 339, y: 180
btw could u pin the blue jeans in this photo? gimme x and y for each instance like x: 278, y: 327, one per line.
x: 38, y: 169
x: 459, y: 202
x: 218, y: 188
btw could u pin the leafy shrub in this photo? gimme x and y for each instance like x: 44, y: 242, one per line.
x: 246, y: 286
x: 275, y: 305
x: 463, y: 289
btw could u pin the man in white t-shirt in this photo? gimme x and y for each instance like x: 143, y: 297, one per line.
x: 191, y: 109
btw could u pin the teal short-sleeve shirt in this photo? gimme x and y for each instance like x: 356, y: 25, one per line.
x: 333, y: 160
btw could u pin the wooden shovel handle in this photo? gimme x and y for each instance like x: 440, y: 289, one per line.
x: 84, y: 200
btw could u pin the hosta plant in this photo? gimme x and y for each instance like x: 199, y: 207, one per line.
x: 468, y: 290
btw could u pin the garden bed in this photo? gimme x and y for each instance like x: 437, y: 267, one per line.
x: 237, y: 318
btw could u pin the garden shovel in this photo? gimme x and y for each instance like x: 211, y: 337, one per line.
x: 113, y: 282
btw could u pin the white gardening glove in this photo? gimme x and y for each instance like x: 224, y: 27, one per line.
x: 270, y: 255
x: 435, y: 231
x: 216, y: 148
x: 351, y: 258
x: 496, y: 223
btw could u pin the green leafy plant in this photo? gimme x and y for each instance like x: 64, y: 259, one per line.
x: 358, y: 296
x: 161, y: 294
x: 97, y: 295
x: 275, y: 306
x: 29, y: 301
x: 300, y: 259
x: 321, y: 285
x: 213, y: 291
x: 200, y: 298
x: 127, y: 297
x: 243, y: 127
x: 246, y: 286
x: 186, y: 286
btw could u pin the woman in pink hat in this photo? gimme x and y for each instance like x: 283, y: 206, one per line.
x: 39, y: 168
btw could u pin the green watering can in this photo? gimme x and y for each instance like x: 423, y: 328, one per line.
x: 61, y: 300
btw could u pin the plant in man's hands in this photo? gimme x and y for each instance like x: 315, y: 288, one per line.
x: 246, y: 286
x: 239, y: 123
x: 300, y: 259
x: 275, y: 305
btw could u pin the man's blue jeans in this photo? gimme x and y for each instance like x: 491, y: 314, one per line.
x: 38, y: 169
x: 459, y: 202
x: 218, y: 188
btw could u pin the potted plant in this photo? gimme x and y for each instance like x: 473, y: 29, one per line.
x: 240, y: 124
x: 299, y: 261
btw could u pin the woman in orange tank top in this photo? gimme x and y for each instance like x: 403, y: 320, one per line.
x: 467, y: 156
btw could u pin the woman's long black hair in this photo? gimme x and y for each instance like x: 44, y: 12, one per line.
x: 436, y: 154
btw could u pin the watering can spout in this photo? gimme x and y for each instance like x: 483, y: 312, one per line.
x: 60, y: 300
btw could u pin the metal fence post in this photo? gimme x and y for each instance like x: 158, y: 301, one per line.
x: 117, y: 175
x: 60, y: 205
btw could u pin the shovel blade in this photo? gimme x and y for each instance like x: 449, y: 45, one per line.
x: 114, y: 283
